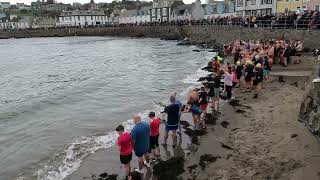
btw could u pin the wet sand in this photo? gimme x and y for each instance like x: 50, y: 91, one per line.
x: 252, y: 139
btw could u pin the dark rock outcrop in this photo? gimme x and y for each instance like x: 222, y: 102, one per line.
x: 310, y: 107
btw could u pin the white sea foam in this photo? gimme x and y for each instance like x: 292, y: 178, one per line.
x: 193, y: 78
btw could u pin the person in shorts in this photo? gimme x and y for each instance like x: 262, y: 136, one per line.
x: 172, y: 124
x: 140, y: 139
x: 154, y: 135
x: 125, y: 148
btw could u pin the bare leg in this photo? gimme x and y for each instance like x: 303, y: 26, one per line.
x: 165, y: 137
x: 194, y: 119
x: 140, y: 163
x: 174, y: 137
x: 127, y: 168
x: 146, y: 157
x: 157, y: 150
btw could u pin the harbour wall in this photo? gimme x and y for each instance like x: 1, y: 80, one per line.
x: 197, y: 34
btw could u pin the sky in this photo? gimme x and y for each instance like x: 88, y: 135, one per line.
x: 70, y: 1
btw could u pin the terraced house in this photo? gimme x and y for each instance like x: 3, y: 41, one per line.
x: 311, y: 5
x: 285, y: 6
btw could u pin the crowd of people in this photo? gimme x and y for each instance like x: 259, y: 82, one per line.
x: 242, y: 64
x: 295, y: 20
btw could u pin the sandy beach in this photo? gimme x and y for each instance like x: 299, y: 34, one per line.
x: 251, y: 139
x: 265, y: 138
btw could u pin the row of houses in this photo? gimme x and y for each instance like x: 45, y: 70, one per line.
x: 173, y: 10
x: 160, y: 11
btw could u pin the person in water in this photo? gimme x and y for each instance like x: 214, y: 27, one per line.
x: 172, y: 123
x: 140, y: 139
x: 154, y: 135
x: 125, y: 148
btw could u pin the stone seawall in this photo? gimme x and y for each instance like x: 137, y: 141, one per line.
x: 197, y: 34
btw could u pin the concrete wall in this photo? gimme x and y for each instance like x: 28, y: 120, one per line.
x: 197, y: 34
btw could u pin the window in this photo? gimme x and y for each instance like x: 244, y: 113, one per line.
x: 253, y: 2
x: 78, y: 18
x: 269, y: 1
x: 286, y: 1
x: 158, y: 12
x: 164, y: 11
x: 91, y: 18
x: 317, y: 7
x: 286, y: 10
x: 239, y: 3
x: 298, y: 8
x: 153, y: 12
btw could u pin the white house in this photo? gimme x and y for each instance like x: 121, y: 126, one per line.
x: 82, y: 18
x: 143, y: 15
x: 162, y: 9
x: 128, y: 16
x: 194, y: 11
x: 255, y: 7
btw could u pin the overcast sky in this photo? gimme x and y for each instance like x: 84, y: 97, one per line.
x: 71, y: 1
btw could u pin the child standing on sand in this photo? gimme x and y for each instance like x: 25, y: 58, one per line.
x: 125, y: 148
x: 154, y: 135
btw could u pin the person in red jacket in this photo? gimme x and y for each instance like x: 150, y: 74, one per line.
x: 154, y: 135
x: 125, y: 148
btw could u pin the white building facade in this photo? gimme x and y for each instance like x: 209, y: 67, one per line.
x: 255, y: 7
x: 82, y: 18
